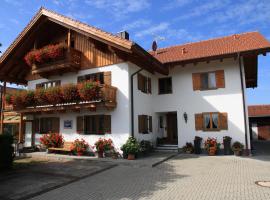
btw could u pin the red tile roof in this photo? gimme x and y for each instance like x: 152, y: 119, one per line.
x: 259, y: 110
x: 214, y: 47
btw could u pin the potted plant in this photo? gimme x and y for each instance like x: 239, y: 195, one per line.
x: 197, y: 145
x: 188, y: 148
x: 145, y: 147
x: 211, y: 145
x: 131, y: 148
x: 237, y: 148
x: 53, y: 95
x: 79, y: 147
x: 227, y: 145
x: 40, y: 96
x: 52, y: 140
x: 108, y: 147
x: 100, y: 147
x: 89, y: 90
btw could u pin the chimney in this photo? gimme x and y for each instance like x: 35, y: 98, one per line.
x: 123, y: 34
x: 154, y: 46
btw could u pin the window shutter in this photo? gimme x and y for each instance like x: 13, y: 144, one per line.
x: 55, y: 125
x: 140, y: 82
x: 220, y: 81
x: 108, y: 78
x: 149, y: 85
x: 196, y: 79
x: 150, y: 124
x: 57, y: 83
x: 36, y: 125
x: 140, y: 123
x: 80, y: 124
x: 223, y: 121
x: 107, y: 123
x: 145, y: 124
x: 199, y: 121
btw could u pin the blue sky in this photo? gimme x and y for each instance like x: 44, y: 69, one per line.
x: 174, y: 22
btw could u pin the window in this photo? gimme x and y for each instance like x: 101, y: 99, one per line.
x: 145, y: 124
x: 92, y: 77
x: 165, y: 85
x: 94, y: 124
x: 208, y: 81
x: 211, y: 121
x: 47, y: 125
x: 48, y: 84
x: 144, y: 84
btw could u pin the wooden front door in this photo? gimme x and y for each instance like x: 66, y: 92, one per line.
x: 172, y: 135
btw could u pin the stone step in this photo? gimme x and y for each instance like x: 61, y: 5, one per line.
x: 167, y: 148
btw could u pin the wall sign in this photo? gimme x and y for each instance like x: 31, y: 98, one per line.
x: 67, y: 124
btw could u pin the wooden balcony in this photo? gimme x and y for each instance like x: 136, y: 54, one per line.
x: 69, y: 62
x: 107, y: 100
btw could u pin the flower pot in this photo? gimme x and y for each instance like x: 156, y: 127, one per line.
x: 237, y: 153
x: 197, y: 146
x: 131, y: 157
x: 212, y: 151
x: 100, y: 154
x: 79, y: 153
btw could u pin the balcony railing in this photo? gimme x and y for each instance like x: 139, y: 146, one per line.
x: 105, y: 97
x: 68, y: 62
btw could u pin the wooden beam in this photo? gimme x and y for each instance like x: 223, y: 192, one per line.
x: 21, y: 128
x: 3, y: 96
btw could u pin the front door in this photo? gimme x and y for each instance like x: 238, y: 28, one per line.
x: 28, y: 140
x: 172, y: 135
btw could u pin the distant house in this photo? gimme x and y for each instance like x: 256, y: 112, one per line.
x: 259, y: 119
x: 168, y: 95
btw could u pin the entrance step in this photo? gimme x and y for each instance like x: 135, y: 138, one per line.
x: 167, y: 147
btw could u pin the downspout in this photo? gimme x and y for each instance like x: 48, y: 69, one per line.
x: 244, y: 103
x: 132, y: 101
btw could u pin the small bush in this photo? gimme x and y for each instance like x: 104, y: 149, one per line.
x: 52, y: 140
x: 6, y: 151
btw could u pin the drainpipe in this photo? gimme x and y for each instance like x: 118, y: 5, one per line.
x: 244, y: 102
x: 132, y: 101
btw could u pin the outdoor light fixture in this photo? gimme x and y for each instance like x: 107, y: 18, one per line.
x: 185, y: 116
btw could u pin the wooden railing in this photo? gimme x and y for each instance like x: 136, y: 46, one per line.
x: 70, y: 61
x: 106, y: 99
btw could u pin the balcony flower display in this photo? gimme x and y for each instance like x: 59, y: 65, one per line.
x: 79, y: 146
x: 89, y: 90
x: 45, y: 54
x: 70, y: 93
x: 40, y: 96
x: 52, y: 140
x: 53, y: 95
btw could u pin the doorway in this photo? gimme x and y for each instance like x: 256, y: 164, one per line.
x: 172, y: 132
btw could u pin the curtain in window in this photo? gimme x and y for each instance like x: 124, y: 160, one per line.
x: 212, y: 80
x: 215, y: 120
x: 206, y: 120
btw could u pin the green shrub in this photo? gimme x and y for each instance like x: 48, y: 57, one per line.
x: 131, y: 146
x: 6, y: 151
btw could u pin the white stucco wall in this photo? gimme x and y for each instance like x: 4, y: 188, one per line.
x: 120, y: 116
x: 184, y: 99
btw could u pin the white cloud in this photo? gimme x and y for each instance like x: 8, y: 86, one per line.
x: 14, y: 2
x: 176, y: 4
x: 119, y: 8
x: 137, y: 24
x: 153, y: 30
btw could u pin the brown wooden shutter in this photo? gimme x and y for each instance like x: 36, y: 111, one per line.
x: 57, y: 83
x: 196, y: 79
x: 36, y: 125
x: 140, y: 82
x: 80, y: 124
x: 223, y: 121
x: 220, y: 81
x: 150, y: 124
x: 107, y: 123
x: 199, y: 121
x: 145, y: 124
x: 108, y: 78
x: 55, y: 125
x: 140, y: 123
x: 149, y: 85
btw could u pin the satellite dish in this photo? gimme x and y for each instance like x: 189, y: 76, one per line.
x: 154, y: 45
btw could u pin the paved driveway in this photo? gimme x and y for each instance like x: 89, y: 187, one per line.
x: 183, y: 177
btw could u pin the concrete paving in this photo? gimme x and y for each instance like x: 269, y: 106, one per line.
x: 183, y: 177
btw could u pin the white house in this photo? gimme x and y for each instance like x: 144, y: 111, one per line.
x: 173, y: 93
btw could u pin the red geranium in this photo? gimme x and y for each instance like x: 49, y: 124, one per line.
x: 52, y: 140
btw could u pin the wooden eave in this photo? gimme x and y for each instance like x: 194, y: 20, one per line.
x: 127, y: 46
